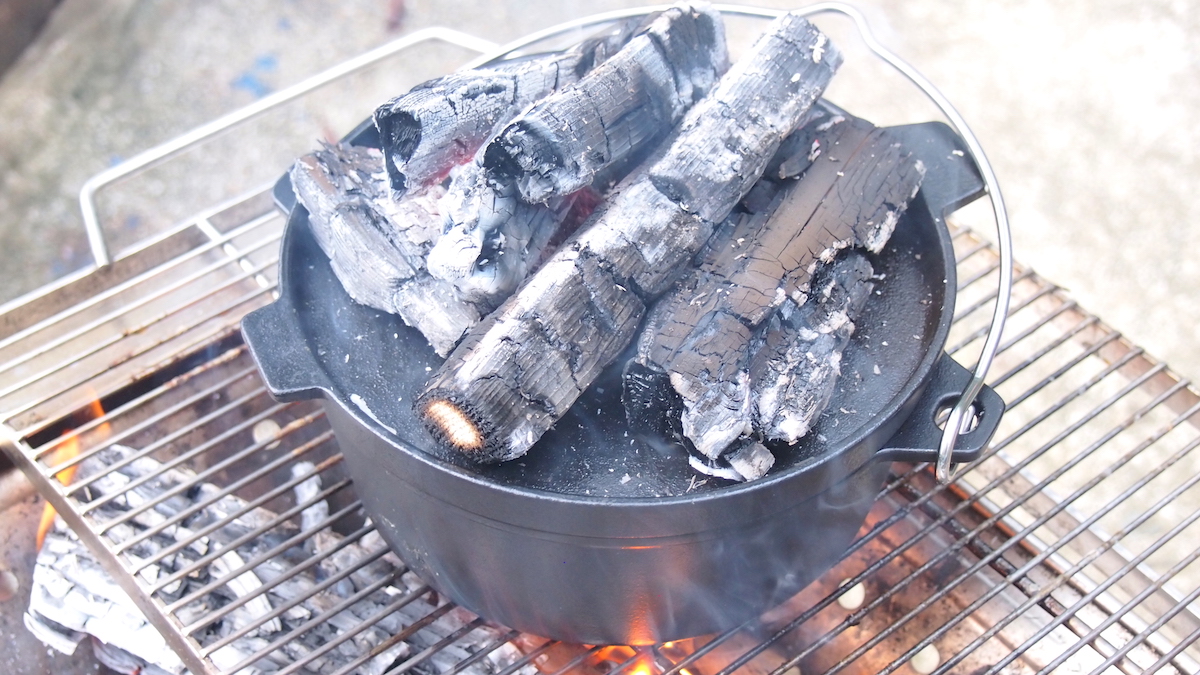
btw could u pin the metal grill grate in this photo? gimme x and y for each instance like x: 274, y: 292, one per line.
x: 1071, y: 544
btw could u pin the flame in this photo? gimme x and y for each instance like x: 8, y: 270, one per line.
x: 67, y: 450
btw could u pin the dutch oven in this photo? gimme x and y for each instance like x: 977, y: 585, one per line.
x: 603, y: 534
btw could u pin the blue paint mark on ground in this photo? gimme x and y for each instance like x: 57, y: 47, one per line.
x: 251, y: 79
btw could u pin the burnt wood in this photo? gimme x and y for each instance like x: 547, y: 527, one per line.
x: 526, y: 364
x: 797, y: 365
x: 442, y: 122
x: 858, y: 181
x: 622, y: 106
x: 377, y: 246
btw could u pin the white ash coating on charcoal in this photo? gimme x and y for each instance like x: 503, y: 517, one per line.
x: 377, y: 246
x: 760, y: 103
x: 704, y: 333
x: 442, y: 122
x: 519, y: 371
x: 745, y: 460
x: 624, y: 105
x: 592, y: 131
x: 493, y: 238
x: 73, y: 597
x: 797, y: 366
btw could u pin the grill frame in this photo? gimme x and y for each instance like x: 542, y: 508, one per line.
x: 1000, y: 519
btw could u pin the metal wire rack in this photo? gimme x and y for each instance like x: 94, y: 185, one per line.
x: 1072, y: 542
x: 129, y: 401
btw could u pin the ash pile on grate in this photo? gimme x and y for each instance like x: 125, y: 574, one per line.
x: 74, y: 598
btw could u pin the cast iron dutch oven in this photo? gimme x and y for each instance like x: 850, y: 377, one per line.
x: 602, y: 535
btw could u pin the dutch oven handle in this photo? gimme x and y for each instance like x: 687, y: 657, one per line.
x: 282, y: 353
x: 919, y: 437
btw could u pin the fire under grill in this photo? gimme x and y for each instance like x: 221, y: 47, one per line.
x: 131, y: 402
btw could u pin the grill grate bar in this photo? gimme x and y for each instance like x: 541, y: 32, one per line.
x: 1060, y: 579
x: 140, y: 281
x: 424, y: 654
x: 217, y: 525
x: 989, y: 299
x: 1064, y: 338
x: 279, y: 611
x: 162, y: 442
x: 1083, y: 526
x: 130, y: 308
x: 578, y: 661
x: 408, y: 598
x: 179, y: 489
x: 970, y: 280
x: 354, y: 537
x: 185, y: 348
x: 1014, y: 309
x: 149, y: 423
x: 230, y: 489
x: 252, y: 535
x: 302, y: 536
x: 1113, y: 618
x: 484, y: 652
x: 1139, y: 638
x: 284, y: 432
x: 977, y: 245
x: 103, y: 344
x: 960, y: 542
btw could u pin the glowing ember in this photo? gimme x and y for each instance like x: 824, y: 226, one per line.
x: 457, y: 426
x: 67, y: 450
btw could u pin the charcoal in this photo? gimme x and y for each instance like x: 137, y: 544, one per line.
x: 856, y: 181
x: 796, y: 369
x: 745, y: 460
x: 519, y: 371
x: 623, y: 105
x: 377, y: 246
x: 741, y: 125
x: 442, y: 122
x: 495, y: 238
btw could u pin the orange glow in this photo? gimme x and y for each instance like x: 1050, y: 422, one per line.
x: 68, y: 449
x: 642, y: 667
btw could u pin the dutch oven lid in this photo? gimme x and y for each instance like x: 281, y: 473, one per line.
x: 374, y: 365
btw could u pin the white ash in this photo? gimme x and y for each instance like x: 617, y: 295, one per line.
x: 73, y: 597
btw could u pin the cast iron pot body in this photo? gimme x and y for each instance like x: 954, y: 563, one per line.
x: 601, y: 535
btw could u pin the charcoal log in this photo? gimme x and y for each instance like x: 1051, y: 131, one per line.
x: 521, y: 369
x: 796, y: 368
x: 745, y: 460
x: 622, y: 106
x: 442, y: 122
x: 857, y: 183
x: 377, y: 246
x: 494, y: 238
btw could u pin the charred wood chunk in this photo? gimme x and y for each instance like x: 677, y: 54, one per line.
x: 623, y: 105
x: 745, y: 460
x: 734, y: 132
x: 494, y: 238
x: 522, y: 368
x: 441, y: 123
x: 795, y: 370
x: 376, y: 246
x: 856, y: 184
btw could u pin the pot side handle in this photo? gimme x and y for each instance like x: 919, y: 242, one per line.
x: 282, y: 353
x: 918, y: 438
